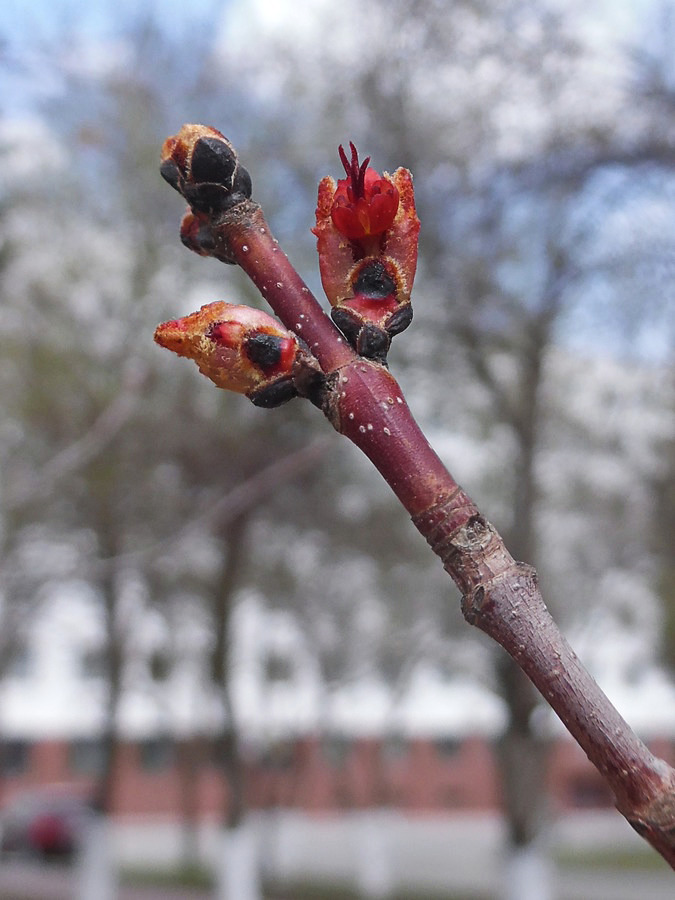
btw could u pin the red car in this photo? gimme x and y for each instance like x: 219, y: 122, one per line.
x: 47, y: 822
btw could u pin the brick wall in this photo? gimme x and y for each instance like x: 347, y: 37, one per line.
x: 164, y: 779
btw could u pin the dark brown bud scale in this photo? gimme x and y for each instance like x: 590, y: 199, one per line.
x: 264, y: 349
x: 201, y: 164
x: 373, y: 280
x: 275, y: 394
x: 399, y: 320
x: 171, y: 173
x: 373, y: 342
x: 213, y: 160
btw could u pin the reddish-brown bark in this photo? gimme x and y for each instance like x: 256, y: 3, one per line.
x: 500, y: 595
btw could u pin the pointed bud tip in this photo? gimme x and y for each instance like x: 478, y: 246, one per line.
x: 239, y: 348
x: 171, y: 335
x: 182, y: 143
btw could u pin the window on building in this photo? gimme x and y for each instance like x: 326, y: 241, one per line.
x: 394, y: 747
x: 447, y: 747
x: 279, y: 755
x: 86, y: 756
x: 14, y: 757
x: 336, y: 749
x: 156, y: 753
x: 222, y: 747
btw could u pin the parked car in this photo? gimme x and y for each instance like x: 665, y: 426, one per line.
x: 48, y: 822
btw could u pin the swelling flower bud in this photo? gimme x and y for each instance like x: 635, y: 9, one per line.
x: 364, y: 203
x: 367, y: 230
x: 238, y: 348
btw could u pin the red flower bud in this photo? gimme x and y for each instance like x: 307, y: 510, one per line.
x: 239, y: 348
x: 367, y: 229
x: 364, y: 203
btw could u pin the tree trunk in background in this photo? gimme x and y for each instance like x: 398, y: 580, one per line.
x: 97, y: 875
x: 372, y: 853
x: 663, y: 528
x: 522, y: 754
x: 522, y: 757
x: 528, y: 874
x: 238, y: 866
x: 189, y: 758
x: 96, y: 878
x: 227, y: 748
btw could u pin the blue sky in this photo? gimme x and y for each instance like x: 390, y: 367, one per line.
x: 48, y: 17
x: 30, y: 28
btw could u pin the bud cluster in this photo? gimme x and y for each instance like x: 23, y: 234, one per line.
x: 366, y: 228
x: 202, y: 165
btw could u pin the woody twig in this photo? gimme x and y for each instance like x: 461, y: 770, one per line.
x: 367, y: 239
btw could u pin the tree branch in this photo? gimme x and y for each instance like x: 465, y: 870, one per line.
x: 237, y: 502
x: 81, y: 451
x: 500, y: 596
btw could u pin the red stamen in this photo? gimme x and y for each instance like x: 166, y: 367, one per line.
x: 355, y: 172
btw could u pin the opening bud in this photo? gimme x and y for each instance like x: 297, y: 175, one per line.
x: 239, y: 348
x: 365, y: 203
x: 367, y: 231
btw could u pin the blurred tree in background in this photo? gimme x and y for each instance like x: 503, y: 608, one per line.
x: 544, y: 181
